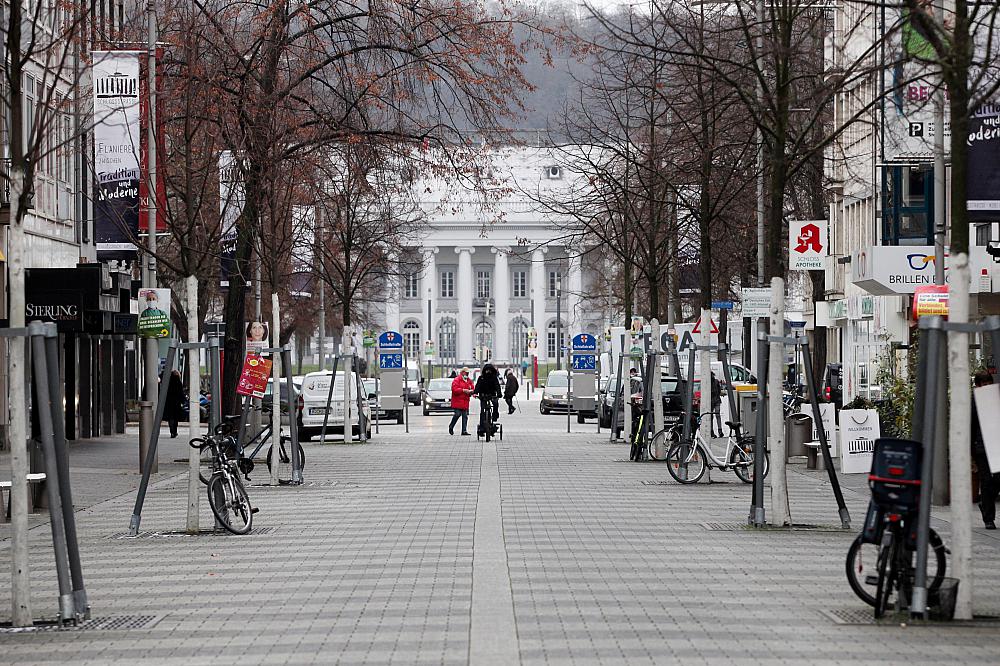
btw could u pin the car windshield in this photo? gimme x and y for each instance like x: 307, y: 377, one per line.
x: 439, y: 385
x: 557, y: 381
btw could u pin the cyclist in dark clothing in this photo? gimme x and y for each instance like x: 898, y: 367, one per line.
x: 510, y: 390
x: 488, y: 388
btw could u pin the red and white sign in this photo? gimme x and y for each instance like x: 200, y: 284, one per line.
x: 253, y: 379
x: 697, y: 327
x: 808, y: 245
x: 930, y: 299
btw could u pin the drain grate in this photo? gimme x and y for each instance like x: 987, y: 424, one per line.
x: 865, y: 617
x: 113, y: 623
x: 170, y: 534
x: 803, y: 527
x: 658, y: 483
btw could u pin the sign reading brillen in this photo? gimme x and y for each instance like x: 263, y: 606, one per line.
x: 116, y: 153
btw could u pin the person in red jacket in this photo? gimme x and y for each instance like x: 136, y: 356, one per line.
x: 461, y: 389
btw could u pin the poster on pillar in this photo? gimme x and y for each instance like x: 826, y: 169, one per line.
x: 257, y: 334
x: 253, y: 378
x: 808, y: 245
x: 154, y: 317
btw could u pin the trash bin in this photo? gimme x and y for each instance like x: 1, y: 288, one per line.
x: 798, y: 431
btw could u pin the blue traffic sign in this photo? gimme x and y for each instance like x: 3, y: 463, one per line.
x: 797, y: 324
x: 584, y: 342
x: 584, y: 361
x: 392, y: 361
x: 722, y: 305
x: 390, y: 340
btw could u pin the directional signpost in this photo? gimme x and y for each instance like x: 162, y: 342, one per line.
x: 583, y: 366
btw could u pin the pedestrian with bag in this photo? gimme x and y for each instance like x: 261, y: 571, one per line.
x: 989, y: 484
x: 510, y: 390
x: 461, y: 390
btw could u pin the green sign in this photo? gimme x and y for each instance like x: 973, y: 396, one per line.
x: 368, y: 339
x: 154, y: 313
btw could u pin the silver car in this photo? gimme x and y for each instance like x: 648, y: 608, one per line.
x: 437, y: 397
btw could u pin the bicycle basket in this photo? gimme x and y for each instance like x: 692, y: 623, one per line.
x: 895, y: 474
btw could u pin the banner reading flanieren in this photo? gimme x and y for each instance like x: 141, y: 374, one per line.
x: 116, y: 153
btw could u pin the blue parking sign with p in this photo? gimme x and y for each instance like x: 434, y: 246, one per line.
x: 390, y: 361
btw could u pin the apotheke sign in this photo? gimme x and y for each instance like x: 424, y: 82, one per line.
x: 888, y: 270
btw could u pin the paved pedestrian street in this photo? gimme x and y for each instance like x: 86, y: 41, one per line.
x: 542, y: 548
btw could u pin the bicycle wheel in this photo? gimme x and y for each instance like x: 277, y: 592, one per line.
x: 687, y: 468
x: 742, y: 462
x: 284, y: 458
x: 659, y: 445
x: 886, y: 573
x: 206, y: 465
x: 230, y: 503
x: 861, y: 568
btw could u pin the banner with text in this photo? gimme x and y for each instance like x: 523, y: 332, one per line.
x: 116, y: 153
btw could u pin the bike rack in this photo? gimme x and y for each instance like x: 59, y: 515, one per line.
x: 757, y: 517
x: 43, y: 343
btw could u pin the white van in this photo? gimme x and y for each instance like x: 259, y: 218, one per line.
x: 315, y: 390
x: 413, y: 383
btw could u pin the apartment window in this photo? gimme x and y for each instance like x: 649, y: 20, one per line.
x: 410, y: 285
x: 555, y: 339
x: 447, y: 284
x: 520, y: 285
x: 555, y: 284
x: 482, y: 284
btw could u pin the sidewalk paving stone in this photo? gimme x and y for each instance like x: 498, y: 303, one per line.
x: 593, y: 560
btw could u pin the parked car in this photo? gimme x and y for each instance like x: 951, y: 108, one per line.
x: 832, y: 389
x: 554, y: 392
x: 315, y: 389
x: 266, y: 401
x: 371, y: 385
x: 673, y: 401
x: 437, y: 397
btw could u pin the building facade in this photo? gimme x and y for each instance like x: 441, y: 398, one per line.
x: 494, y: 280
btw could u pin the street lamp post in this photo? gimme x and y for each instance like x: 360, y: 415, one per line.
x: 559, y: 321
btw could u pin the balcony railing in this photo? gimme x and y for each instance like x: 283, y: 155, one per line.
x: 5, y: 163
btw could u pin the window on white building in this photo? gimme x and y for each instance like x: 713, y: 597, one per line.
x: 411, y: 339
x: 482, y: 284
x: 555, y: 284
x: 447, y: 284
x: 447, y: 338
x: 519, y: 339
x: 410, y: 286
x: 554, y: 346
x: 519, y: 288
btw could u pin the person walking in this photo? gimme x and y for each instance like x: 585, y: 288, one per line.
x: 174, y: 409
x: 716, y: 417
x: 510, y: 390
x: 488, y: 388
x: 989, y: 484
x: 461, y: 389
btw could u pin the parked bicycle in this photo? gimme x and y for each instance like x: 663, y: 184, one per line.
x: 245, y: 461
x: 687, y: 462
x: 227, y: 496
x: 881, y: 559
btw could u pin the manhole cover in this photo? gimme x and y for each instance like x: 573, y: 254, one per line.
x: 115, y: 623
x: 170, y: 534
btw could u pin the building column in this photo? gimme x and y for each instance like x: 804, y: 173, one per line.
x: 428, y: 291
x: 463, y: 285
x: 573, y: 292
x: 501, y: 293
x: 539, y: 291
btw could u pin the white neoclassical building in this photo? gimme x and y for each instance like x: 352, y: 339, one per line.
x: 481, y: 276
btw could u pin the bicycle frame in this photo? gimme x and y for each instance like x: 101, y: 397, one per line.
x: 710, y: 458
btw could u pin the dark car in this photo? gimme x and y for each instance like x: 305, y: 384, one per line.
x: 832, y: 389
x: 673, y: 401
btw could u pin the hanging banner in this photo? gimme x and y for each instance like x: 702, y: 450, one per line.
x: 161, y: 148
x: 303, y: 250
x: 231, y: 201
x: 983, y: 174
x: 154, y: 313
x: 116, y: 153
x: 808, y: 245
x: 859, y: 428
x: 253, y: 378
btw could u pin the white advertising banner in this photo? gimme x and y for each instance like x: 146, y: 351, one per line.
x: 231, y: 201
x: 828, y: 413
x: 116, y: 152
x: 988, y: 409
x: 808, y: 245
x: 859, y: 428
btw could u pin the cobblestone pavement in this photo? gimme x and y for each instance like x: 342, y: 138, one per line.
x: 544, y: 547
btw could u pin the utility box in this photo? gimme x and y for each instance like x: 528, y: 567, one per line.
x: 747, y: 405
